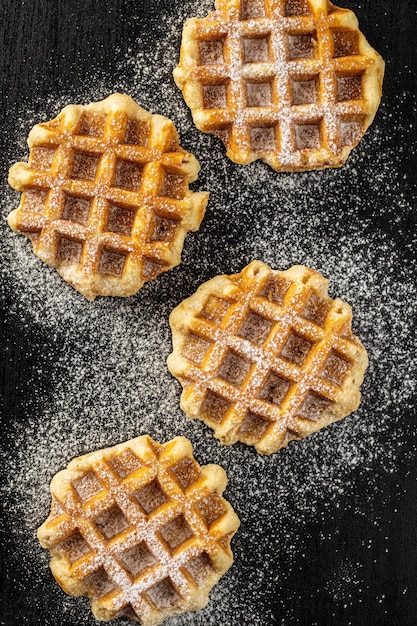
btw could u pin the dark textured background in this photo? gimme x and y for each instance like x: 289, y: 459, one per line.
x: 47, y: 47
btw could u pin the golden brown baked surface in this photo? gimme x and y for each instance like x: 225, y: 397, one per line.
x: 266, y: 356
x: 291, y: 82
x: 141, y: 529
x: 105, y: 196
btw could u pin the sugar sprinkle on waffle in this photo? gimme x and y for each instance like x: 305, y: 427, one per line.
x: 105, y: 196
x: 141, y: 529
x: 291, y: 82
x: 266, y: 356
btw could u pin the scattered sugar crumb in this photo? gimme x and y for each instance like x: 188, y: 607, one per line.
x: 100, y: 375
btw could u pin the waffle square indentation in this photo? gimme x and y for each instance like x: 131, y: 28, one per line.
x: 41, y: 158
x: 296, y: 7
x: 84, y: 166
x: 74, y: 547
x: 186, y: 472
x: 349, y: 87
x: 175, y: 186
x: 214, y: 407
x: 345, y: 43
x: 234, y: 368
x: 259, y: 94
x: 152, y: 267
x: 111, y: 263
x: 263, y: 138
x: 275, y: 289
x: 302, y: 46
x: 163, y: 228
x: 120, y: 219
x: 296, y: 349
x: 251, y: 9
x: 316, y: 309
x: 163, y: 594
x: 215, y: 96
x: 211, y: 52
x: 76, y: 209
x: 92, y: 125
x: 69, y: 251
x: 304, y: 91
x: 215, y: 309
x: 351, y: 131
x: 253, y: 427
x: 307, y: 136
x: 150, y: 497
x: 126, y: 463
x: 137, y: 559
x: 87, y: 485
x: 335, y: 368
x: 255, y: 49
x: 111, y: 522
x: 137, y: 132
x: 223, y: 132
x: 274, y: 389
x: 211, y: 508
x: 313, y: 407
x: 255, y: 329
x: 195, y: 348
x: 128, y: 175
x: 176, y: 532
x: 200, y: 568
x: 34, y: 200
x: 99, y: 583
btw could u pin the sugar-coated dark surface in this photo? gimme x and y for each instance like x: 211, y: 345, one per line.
x: 328, y: 524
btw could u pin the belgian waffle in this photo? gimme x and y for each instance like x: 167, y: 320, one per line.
x: 141, y: 529
x: 266, y: 356
x: 105, y: 196
x: 291, y: 82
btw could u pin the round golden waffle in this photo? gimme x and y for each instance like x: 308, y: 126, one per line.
x: 141, y: 529
x: 266, y: 356
x: 105, y: 196
x: 291, y: 82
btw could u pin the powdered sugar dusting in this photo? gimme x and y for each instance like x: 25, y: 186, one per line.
x: 267, y: 56
x: 118, y: 514
x: 98, y: 373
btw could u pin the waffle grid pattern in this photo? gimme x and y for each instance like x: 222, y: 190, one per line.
x: 267, y: 356
x: 105, y: 196
x: 141, y: 528
x: 289, y: 81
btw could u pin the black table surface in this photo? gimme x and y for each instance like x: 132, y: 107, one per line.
x: 328, y: 525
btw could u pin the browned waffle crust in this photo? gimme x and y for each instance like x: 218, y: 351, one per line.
x: 105, y: 196
x: 266, y: 356
x: 140, y: 528
x: 291, y: 82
